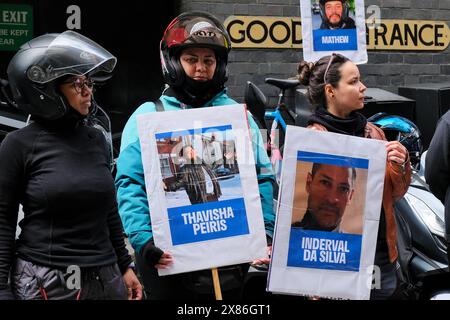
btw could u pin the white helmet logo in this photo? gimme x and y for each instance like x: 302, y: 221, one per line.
x: 198, y: 28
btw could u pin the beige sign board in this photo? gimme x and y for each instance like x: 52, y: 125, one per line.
x: 286, y: 32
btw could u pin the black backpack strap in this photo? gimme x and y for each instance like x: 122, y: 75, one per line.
x: 159, y: 105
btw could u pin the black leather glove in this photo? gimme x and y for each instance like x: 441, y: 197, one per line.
x: 6, y: 293
x: 151, y: 253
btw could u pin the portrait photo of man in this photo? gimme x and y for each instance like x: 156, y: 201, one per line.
x: 335, y: 15
x: 329, y: 192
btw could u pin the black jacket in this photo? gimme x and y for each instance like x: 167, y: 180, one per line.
x: 60, y: 174
x: 437, y: 166
x: 192, y: 178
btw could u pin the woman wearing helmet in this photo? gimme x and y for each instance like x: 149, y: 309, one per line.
x: 191, y: 38
x: 71, y: 244
x: 337, y: 93
x: 194, y: 54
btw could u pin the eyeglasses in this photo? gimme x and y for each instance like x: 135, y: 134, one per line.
x: 80, y: 84
x: 328, y: 67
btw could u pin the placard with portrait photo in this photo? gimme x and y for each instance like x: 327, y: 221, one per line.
x: 327, y: 220
x: 201, y: 187
x: 333, y: 26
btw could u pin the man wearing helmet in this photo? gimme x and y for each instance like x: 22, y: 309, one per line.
x: 57, y: 168
x: 334, y: 15
x: 194, y: 55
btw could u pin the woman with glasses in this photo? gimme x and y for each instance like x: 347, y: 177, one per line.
x: 78, y: 92
x: 71, y: 244
x: 336, y: 92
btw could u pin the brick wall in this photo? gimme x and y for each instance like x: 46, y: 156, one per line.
x: 385, y: 69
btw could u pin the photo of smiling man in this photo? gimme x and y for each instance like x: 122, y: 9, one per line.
x: 333, y: 25
x: 335, y: 15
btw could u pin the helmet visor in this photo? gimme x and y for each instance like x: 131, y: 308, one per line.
x: 195, y: 30
x: 71, y: 53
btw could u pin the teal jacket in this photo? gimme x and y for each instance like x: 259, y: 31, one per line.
x: 130, y: 183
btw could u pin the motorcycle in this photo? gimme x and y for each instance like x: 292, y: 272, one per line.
x: 422, y: 267
x: 11, y: 118
x: 423, y: 262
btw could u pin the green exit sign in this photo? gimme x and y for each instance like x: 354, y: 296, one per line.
x: 16, y: 26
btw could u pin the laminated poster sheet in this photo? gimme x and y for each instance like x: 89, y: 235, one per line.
x: 328, y: 213
x: 202, y: 188
x: 333, y: 26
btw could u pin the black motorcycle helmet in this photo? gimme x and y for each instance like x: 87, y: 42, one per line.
x: 345, y: 10
x: 36, y: 70
x: 194, y: 29
x: 403, y: 130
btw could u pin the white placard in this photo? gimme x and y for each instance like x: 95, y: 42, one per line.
x: 202, y: 187
x: 327, y: 219
x: 335, y: 26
